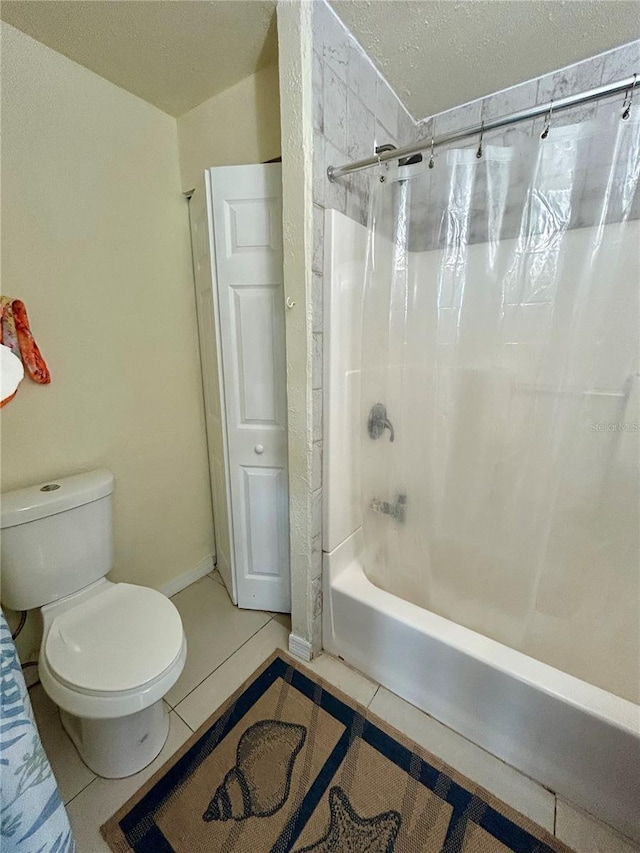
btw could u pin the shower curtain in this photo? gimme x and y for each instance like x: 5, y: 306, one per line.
x: 500, y: 332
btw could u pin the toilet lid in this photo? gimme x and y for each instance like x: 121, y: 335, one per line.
x: 118, y: 640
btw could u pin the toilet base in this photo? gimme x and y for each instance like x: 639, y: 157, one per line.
x: 122, y: 746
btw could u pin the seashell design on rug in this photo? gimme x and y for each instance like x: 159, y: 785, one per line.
x: 259, y: 782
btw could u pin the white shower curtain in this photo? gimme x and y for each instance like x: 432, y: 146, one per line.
x: 500, y: 331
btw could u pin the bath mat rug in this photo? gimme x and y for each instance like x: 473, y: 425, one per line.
x: 289, y: 764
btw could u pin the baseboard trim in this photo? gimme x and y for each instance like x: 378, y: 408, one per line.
x: 182, y: 581
x: 300, y: 648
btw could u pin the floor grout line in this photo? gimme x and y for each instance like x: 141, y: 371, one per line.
x: 174, y: 707
x: 374, y: 695
x: 463, y: 738
x: 95, y: 778
x: 552, y: 819
x: 468, y: 740
x: 180, y: 717
x: 357, y: 672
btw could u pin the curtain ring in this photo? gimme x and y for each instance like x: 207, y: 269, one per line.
x: 547, y: 126
x: 626, y: 106
x: 380, y: 168
x: 479, y: 151
x: 431, y: 161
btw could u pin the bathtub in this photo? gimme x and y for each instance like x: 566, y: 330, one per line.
x: 576, y: 739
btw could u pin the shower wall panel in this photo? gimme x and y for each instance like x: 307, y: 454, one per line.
x: 546, y: 563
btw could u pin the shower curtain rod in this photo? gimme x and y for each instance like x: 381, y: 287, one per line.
x: 626, y: 85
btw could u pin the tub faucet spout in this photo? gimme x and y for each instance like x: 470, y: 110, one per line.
x: 396, y: 510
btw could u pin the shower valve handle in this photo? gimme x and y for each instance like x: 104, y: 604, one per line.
x: 378, y: 422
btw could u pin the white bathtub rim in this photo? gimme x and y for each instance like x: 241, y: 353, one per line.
x: 614, y: 710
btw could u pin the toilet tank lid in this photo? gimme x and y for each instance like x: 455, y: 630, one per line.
x: 53, y: 496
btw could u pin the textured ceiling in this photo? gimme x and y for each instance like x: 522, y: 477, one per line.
x: 173, y: 54
x: 437, y: 54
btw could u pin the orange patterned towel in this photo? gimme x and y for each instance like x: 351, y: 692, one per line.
x: 16, y: 334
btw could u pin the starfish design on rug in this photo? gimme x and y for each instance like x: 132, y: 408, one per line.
x: 350, y: 833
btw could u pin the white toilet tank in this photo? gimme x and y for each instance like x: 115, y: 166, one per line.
x: 57, y: 538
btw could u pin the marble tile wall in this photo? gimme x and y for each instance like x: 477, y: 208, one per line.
x: 591, y: 181
x: 607, y: 67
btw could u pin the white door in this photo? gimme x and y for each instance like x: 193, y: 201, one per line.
x: 246, y: 211
x: 204, y: 274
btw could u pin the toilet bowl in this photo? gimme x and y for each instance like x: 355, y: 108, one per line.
x: 108, y: 656
x: 110, y: 651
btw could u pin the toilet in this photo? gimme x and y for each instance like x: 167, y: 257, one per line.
x: 110, y: 651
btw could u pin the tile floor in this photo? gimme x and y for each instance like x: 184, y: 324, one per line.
x: 225, y: 646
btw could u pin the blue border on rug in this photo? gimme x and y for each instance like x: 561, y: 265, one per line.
x: 145, y: 836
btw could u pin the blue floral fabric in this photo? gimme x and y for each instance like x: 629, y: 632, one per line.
x: 32, y: 815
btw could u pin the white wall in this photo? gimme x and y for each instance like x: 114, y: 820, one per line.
x: 239, y: 125
x: 95, y: 240
x: 295, y: 50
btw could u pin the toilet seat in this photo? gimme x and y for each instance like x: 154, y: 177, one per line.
x: 111, y: 650
x: 116, y: 641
